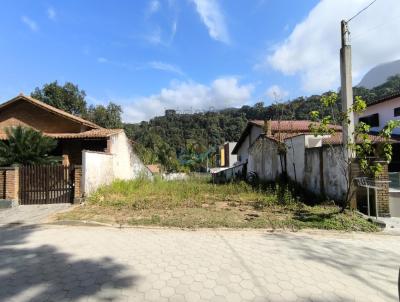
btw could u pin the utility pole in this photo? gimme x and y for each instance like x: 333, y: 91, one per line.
x: 346, y: 90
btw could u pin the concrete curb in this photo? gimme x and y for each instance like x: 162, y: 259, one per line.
x: 377, y: 222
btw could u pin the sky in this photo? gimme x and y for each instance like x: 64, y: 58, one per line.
x: 189, y: 55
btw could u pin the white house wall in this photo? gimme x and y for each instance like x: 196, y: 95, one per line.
x: 126, y: 164
x: 243, y: 152
x: 386, y: 113
x: 97, y: 170
x: 233, y: 158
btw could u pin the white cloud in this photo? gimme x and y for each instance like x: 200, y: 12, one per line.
x: 51, y: 13
x: 312, y: 48
x: 212, y: 16
x: 154, y: 37
x: 30, y: 23
x: 132, y: 66
x: 154, y: 6
x: 102, y: 60
x: 221, y: 93
x: 158, y: 37
x: 276, y: 93
x: 165, y: 67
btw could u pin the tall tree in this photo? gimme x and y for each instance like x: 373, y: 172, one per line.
x: 67, y: 97
x: 107, y: 117
x: 70, y: 98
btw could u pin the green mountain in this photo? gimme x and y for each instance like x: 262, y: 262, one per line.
x: 171, y: 138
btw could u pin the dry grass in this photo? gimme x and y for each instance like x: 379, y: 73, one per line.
x: 198, y: 203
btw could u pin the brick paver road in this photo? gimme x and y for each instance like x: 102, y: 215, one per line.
x: 60, y: 263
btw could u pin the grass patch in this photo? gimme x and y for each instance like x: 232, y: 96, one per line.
x: 197, y: 203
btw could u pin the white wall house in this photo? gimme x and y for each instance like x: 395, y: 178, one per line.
x: 379, y: 112
x: 119, y: 162
x: 252, y: 131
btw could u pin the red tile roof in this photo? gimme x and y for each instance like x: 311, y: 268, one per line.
x: 290, y: 126
x: 94, y: 133
x: 51, y: 109
x: 155, y: 169
x: 280, y: 129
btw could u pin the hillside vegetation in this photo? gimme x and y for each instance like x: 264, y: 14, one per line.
x: 186, y: 141
x: 170, y: 139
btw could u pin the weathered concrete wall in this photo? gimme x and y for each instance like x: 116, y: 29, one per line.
x: 97, y: 170
x: 264, y: 159
x: 295, y: 158
x: 312, y: 170
x: 255, y: 132
x: 126, y: 164
x: 243, y: 152
x: 175, y: 176
x: 334, y: 170
x: 229, y: 174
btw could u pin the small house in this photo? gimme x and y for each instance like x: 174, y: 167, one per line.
x: 101, y: 154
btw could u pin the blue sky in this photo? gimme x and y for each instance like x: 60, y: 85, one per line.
x: 184, y: 54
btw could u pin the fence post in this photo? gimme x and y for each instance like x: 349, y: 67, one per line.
x: 77, y: 184
x: 12, y: 184
x: 383, y: 192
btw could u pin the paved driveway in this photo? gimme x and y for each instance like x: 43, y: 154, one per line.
x: 59, y: 263
x: 31, y: 214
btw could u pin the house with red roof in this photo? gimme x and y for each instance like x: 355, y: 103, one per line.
x: 269, y: 149
x: 103, y: 154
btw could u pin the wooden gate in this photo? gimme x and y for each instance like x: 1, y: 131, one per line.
x: 42, y: 184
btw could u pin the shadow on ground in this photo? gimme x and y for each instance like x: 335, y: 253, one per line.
x: 42, y: 273
x: 370, y: 265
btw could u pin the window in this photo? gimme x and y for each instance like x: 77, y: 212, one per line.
x: 372, y: 120
x: 397, y: 111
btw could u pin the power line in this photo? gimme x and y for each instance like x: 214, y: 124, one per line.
x: 368, y: 30
x: 365, y: 8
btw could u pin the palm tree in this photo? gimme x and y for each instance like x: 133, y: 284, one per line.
x: 26, y: 146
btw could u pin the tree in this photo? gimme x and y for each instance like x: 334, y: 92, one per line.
x: 67, y: 97
x: 26, y: 146
x: 107, y: 117
x: 363, y: 147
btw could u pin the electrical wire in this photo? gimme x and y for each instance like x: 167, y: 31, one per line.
x: 365, y: 8
x: 368, y: 30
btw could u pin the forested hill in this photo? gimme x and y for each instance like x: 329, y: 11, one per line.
x: 167, y: 139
